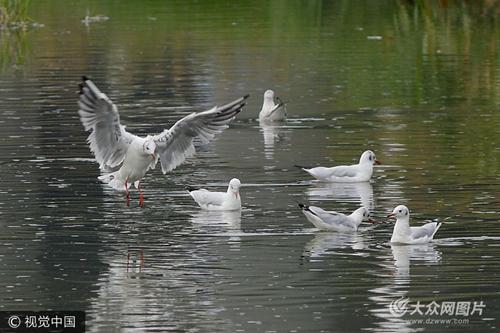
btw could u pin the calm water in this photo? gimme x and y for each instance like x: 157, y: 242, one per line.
x: 418, y: 84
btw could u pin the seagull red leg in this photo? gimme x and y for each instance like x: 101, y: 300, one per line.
x: 141, y: 266
x: 141, y: 196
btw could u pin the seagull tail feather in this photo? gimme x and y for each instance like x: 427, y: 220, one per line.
x: 113, y: 181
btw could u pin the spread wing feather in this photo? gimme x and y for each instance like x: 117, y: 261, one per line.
x: 108, y: 139
x: 174, y: 145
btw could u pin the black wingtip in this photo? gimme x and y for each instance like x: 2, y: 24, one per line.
x: 280, y: 101
x: 303, y: 206
x: 82, y: 84
x: 191, y: 188
x: 246, y: 96
x: 301, y: 166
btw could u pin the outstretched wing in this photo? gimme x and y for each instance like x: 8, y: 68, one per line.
x: 174, y: 145
x: 108, y: 139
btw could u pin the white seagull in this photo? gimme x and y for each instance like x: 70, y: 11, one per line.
x: 361, y: 172
x: 229, y: 200
x: 333, y: 221
x: 272, y: 112
x: 404, y: 234
x: 124, y: 158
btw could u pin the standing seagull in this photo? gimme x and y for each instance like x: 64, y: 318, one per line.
x: 272, y: 112
x: 229, y: 200
x: 333, y: 221
x: 361, y: 172
x: 124, y: 158
x: 404, y: 234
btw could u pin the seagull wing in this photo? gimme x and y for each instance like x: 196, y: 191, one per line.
x: 276, y: 108
x: 344, y: 171
x: 108, y: 139
x: 427, y: 230
x: 204, y: 197
x: 332, y: 218
x: 174, y: 145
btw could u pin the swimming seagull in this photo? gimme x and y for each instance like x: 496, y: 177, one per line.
x: 361, y: 172
x: 124, y: 158
x: 229, y: 200
x: 272, y: 112
x: 404, y: 234
x: 333, y: 221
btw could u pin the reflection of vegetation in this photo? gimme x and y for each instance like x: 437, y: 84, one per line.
x: 14, y: 23
x: 458, y: 40
x: 13, y: 49
x: 14, y: 14
x: 453, y: 95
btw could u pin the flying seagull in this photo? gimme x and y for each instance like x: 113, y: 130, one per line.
x: 124, y: 158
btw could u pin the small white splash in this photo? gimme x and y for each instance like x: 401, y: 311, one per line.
x: 94, y: 19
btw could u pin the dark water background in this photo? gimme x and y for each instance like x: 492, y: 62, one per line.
x: 417, y: 82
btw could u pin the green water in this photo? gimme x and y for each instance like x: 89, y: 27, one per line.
x: 416, y: 82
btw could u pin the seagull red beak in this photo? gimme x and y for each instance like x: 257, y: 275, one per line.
x: 371, y: 221
x: 377, y: 162
x: 391, y: 216
x: 153, y: 156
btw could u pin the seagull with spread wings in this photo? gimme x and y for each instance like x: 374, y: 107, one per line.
x: 124, y: 158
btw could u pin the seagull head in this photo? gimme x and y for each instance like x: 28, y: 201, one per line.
x: 149, y: 148
x: 400, y: 212
x: 269, y: 95
x: 368, y: 157
x: 364, y: 214
x: 367, y: 216
x: 234, y: 186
